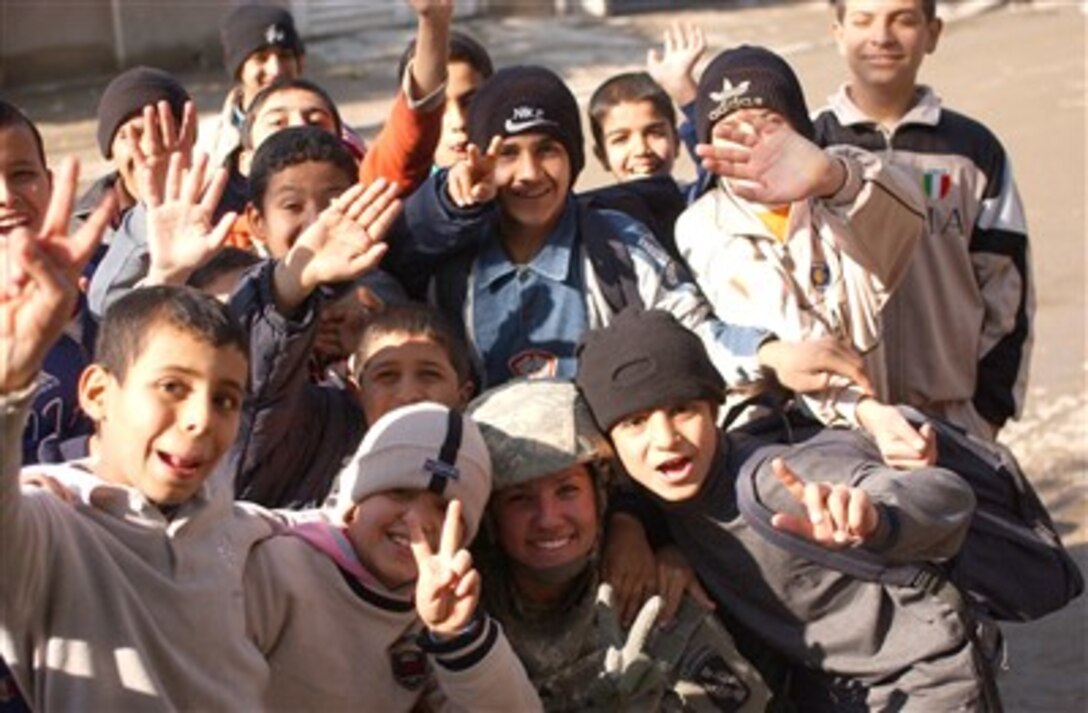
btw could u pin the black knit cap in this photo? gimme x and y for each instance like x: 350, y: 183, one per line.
x: 254, y: 27
x: 128, y: 94
x: 753, y: 77
x: 644, y: 360
x: 527, y: 100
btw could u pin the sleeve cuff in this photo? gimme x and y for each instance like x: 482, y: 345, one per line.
x: 467, y: 648
x: 432, y: 102
x: 851, y: 187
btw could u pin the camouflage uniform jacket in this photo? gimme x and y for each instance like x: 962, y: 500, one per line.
x: 563, y: 650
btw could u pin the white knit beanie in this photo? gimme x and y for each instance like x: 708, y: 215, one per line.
x: 424, y: 446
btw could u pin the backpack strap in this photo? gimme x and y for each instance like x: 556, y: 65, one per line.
x: 610, y: 259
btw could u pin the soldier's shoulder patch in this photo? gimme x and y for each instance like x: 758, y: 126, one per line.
x: 709, y: 670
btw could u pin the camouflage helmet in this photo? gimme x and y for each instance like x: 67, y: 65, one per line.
x: 536, y: 427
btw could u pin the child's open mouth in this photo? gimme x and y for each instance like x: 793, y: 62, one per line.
x: 675, y: 469
x: 181, y: 466
x: 12, y: 221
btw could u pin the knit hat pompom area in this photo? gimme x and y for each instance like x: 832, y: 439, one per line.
x: 128, y: 94
x: 750, y: 77
x: 424, y: 446
x: 253, y: 27
x: 642, y: 361
x: 527, y: 100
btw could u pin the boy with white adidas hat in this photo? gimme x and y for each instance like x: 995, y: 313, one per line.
x: 805, y: 243
x: 381, y: 604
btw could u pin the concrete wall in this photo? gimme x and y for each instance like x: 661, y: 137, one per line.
x: 54, y: 40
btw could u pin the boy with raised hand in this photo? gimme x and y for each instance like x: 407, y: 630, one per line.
x: 816, y: 255
x: 99, y: 600
x: 381, y: 604
x: 26, y: 187
x: 402, y: 150
x: 535, y: 268
x: 469, y: 66
x: 959, y: 329
x: 846, y: 641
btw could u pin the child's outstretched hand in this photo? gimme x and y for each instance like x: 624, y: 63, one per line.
x: 39, y: 281
x: 838, y: 515
x: 674, y: 67
x: 343, y: 243
x: 160, y: 139
x: 180, y: 234
x: 900, y: 444
x: 810, y: 365
x: 766, y: 161
x: 472, y: 180
x: 448, y: 587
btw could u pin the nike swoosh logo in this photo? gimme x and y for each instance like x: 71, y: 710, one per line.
x: 516, y: 127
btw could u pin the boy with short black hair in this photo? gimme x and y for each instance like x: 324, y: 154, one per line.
x: 652, y: 388
x: 469, y: 66
x: 959, y: 329
x: 386, y: 586
x: 113, y: 585
x: 26, y: 187
x: 297, y: 172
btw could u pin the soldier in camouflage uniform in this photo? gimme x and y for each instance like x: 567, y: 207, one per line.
x: 538, y: 556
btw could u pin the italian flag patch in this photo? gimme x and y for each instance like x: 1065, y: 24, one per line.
x: 936, y: 184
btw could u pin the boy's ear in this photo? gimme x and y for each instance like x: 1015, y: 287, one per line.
x: 256, y: 222
x: 94, y: 382
x: 936, y: 25
x: 598, y: 151
x: 836, y: 32
x: 466, y: 392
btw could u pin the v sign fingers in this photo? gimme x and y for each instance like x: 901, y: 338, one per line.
x: 837, y: 515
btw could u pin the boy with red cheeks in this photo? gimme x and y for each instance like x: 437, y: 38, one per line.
x: 651, y: 387
x: 388, y: 590
x: 959, y: 329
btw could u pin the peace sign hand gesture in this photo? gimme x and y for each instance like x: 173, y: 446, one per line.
x: 839, y: 516
x: 472, y: 180
x: 448, y: 588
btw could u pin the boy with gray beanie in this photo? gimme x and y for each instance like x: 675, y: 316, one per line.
x: 847, y: 643
x: 813, y: 257
x: 379, y: 606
